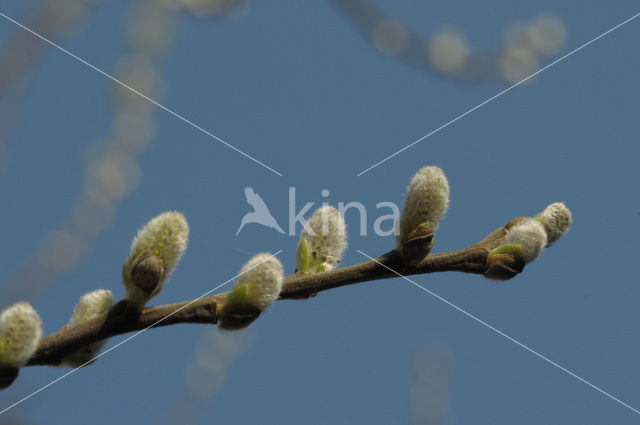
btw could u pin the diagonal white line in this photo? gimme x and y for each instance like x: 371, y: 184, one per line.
x: 131, y: 337
x: 114, y: 79
x: 499, y: 94
x: 532, y: 351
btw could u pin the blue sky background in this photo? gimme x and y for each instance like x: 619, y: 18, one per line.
x: 296, y: 86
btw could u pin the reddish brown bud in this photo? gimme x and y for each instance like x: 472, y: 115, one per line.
x: 237, y: 316
x: 417, y: 245
x: 146, y: 272
x: 503, y: 266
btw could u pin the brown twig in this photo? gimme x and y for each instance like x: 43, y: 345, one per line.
x: 123, y: 319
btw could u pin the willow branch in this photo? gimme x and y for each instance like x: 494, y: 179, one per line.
x: 364, y: 16
x: 123, y: 319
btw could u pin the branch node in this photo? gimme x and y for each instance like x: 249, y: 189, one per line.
x: 237, y: 316
x: 417, y: 245
x: 7, y: 376
x: 503, y: 266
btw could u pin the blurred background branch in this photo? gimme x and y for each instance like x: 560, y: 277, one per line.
x: 113, y: 172
x: 448, y: 54
x: 19, y: 54
x: 204, y: 376
x: 430, y: 392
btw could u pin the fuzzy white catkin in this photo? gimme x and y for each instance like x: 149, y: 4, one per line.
x: 556, y: 219
x: 426, y: 202
x: 20, y: 331
x: 90, y: 305
x: 263, y: 275
x: 529, y: 234
x: 166, y: 236
x: 326, y: 235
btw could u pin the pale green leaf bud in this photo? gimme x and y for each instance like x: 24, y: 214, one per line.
x: 20, y: 331
x: 556, y: 219
x: 91, y: 305
x: 530, y: 235
x: 426, y: 202
x: 155, y: 252
x: 504, y: 262
x: 323, y: 241
x: 303, y: 257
